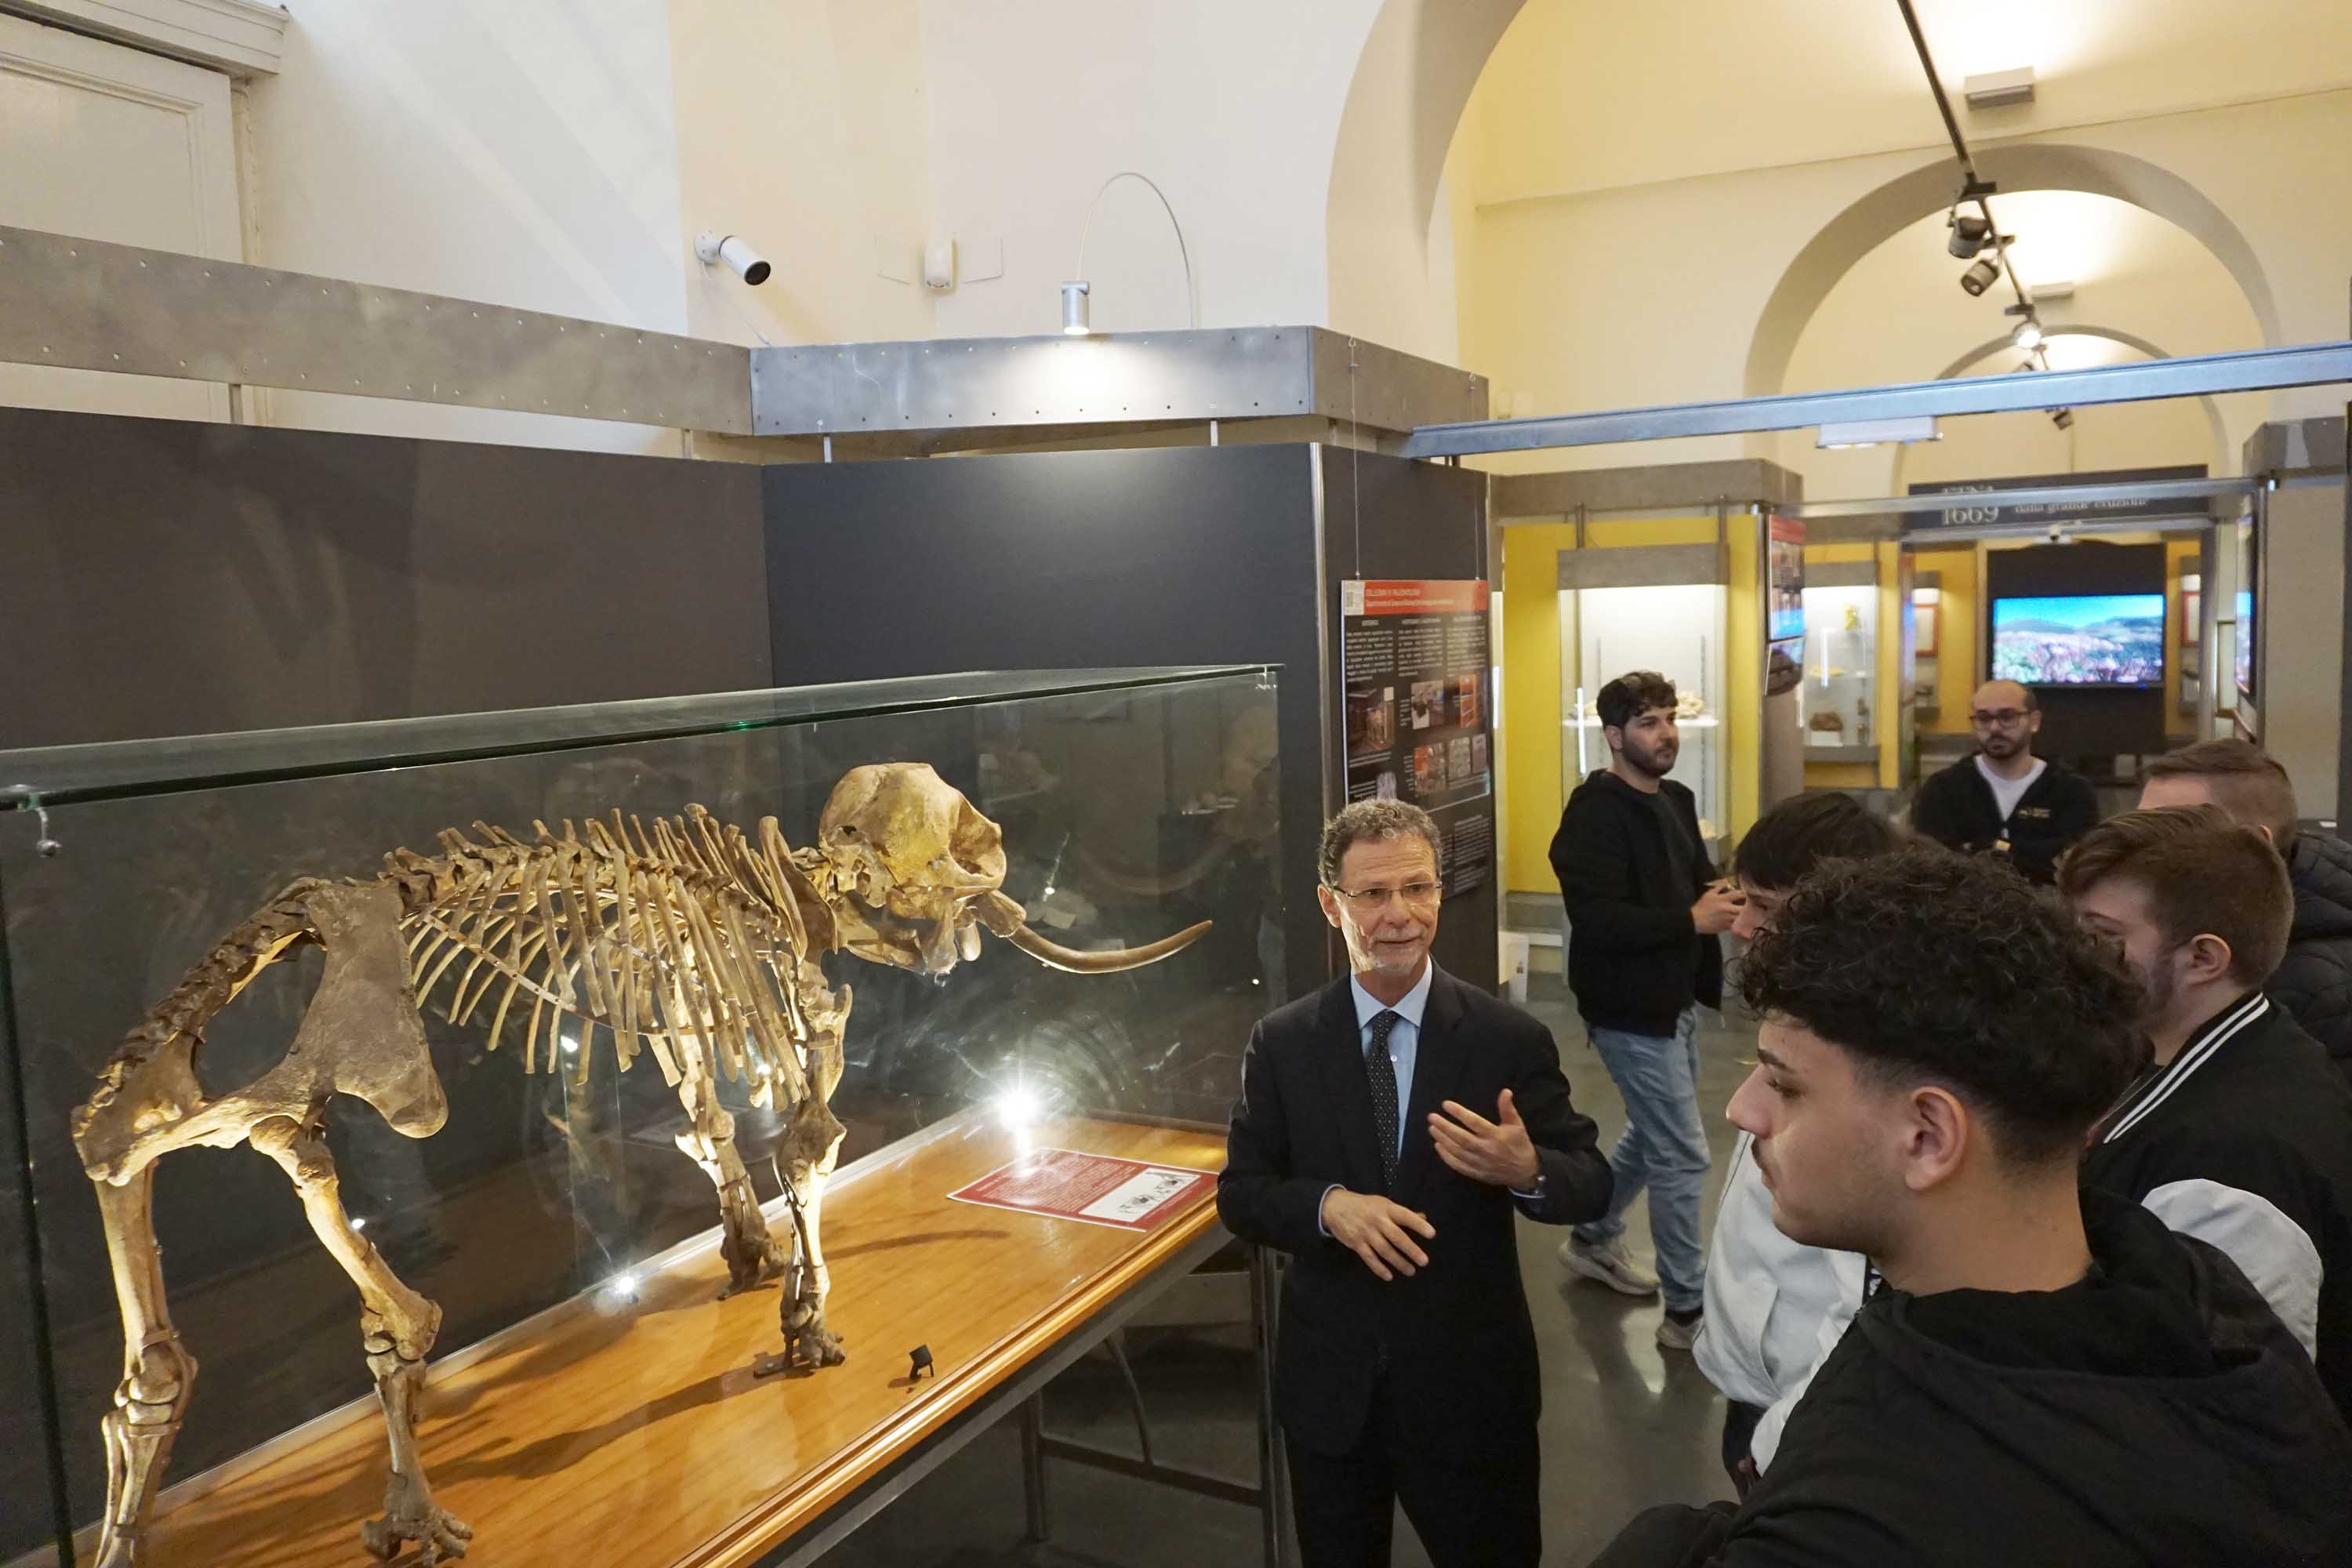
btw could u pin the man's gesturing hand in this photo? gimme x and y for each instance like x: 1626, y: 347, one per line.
x: 1378, y: 1231
x: 1497, y: 1153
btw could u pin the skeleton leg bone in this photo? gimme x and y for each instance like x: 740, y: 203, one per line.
x: 752, y: 1255
x: 397, y: 1326
x: 812, y: 1147
x: 157, y: 1375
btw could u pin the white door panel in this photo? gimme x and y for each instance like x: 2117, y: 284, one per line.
x: 108, y: 142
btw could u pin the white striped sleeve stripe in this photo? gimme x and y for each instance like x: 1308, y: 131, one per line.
x: 2270, y: 1248
x: 2197, y: 1056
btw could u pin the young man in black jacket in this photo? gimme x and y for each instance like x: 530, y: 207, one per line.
x: 2042, y: 1375
x: 2241, y: 1134
x: 2005, y: 800
x: 2314, y: 980
x: 1645, y: 916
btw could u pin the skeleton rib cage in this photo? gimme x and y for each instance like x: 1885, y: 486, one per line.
x: 685, y: 936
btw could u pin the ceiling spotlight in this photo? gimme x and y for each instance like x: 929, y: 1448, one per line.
x: 2063, y: 417
x: 2028, y: 335
x: 746, y: 263
x: 1980, y: 276
x: 1971, y: 234
x: 1075, y: 310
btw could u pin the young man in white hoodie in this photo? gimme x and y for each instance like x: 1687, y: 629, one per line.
x: 1776, y: 1307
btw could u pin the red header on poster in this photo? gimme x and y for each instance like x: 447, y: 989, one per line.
x: 1435, y: 598
x: 1789, y: 530
x: 1094, y: 1189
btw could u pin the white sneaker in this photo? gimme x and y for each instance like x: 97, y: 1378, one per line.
x: 1675, y: 1336
x: 1610, y: 1265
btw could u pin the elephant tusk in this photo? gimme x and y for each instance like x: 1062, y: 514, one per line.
x: 1109, y: 960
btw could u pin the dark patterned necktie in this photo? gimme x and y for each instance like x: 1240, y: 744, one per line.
x: 1383, y: 1073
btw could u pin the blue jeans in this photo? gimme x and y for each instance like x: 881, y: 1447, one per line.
x: 1664, y: 1148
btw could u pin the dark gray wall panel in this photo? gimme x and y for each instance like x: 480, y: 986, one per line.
x: 166, y: 578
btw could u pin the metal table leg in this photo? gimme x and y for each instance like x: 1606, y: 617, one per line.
x: 1033, y: 1464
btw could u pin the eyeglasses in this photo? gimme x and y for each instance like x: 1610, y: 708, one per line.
x: 1420, y: 893
x: 2007, y: 719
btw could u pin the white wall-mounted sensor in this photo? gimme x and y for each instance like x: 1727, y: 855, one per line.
x: 938, y: 265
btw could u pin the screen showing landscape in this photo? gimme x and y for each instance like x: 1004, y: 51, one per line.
x: 2090, y: 639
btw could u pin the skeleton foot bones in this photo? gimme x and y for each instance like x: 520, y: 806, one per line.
x: 687, y: 940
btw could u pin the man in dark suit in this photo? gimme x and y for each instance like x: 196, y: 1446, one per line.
x: 1390, y: 1127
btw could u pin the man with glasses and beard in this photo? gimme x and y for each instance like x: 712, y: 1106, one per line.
x: 1645, y: 917
x: 2005, y: 800
x: 1392, y: 1127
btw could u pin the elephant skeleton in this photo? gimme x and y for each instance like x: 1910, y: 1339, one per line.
x: 687, y: 940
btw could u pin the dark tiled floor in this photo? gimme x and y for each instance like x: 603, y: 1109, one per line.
x: 1625, y: 1425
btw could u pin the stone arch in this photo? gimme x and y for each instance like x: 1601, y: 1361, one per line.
x: 1412, y: 81
x: 2021, y: 166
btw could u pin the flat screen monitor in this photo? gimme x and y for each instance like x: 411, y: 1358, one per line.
x: 2080, y: 639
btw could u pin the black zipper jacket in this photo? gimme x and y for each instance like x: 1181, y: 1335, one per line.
x: 1955, y: 808
x: 2244, y: 1140
x: 1635, y: 961
x: 2315, y: 980
x: 2154, y: 1416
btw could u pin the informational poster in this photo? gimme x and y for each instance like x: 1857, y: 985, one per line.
x: 1415, y: 660
x: 1094, y: 1189
x: 1784, y: 570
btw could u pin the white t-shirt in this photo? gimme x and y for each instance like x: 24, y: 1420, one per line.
x: 2007, y: 793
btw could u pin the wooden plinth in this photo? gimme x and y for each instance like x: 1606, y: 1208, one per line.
x: 643, y: 1437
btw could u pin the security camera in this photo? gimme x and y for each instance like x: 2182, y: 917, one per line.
x: 2057, y: 535
x: 748, y: 264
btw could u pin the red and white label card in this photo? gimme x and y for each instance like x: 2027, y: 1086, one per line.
x: 1096, y: 1189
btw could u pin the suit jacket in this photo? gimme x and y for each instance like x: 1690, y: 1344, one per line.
x: 1455, y: 1337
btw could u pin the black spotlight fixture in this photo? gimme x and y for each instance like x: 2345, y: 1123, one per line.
x: 2063, y: 417
x: 1981, y: 275
x: 1971, y: 234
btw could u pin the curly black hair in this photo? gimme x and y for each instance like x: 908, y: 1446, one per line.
x: 1932, y: 967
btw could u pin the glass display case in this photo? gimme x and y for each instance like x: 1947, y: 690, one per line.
x: 1658, y: 607
x: 1839, y: 696
x: 1133, y: 804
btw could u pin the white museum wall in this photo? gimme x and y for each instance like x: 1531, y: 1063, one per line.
x: 522, y: 155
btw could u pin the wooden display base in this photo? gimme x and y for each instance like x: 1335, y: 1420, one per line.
x: 645, y: 1437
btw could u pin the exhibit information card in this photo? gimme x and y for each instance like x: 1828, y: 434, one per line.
x: 1099, y: 1189
x: 1414, y: 657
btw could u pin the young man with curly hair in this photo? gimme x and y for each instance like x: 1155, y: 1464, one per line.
x: 2043, y: 1375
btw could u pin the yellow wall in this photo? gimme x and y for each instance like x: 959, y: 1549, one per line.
x: 1533, y: 788
x: 1531, y: 708
x: 2179, y: 555
x: 1956, y: 634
